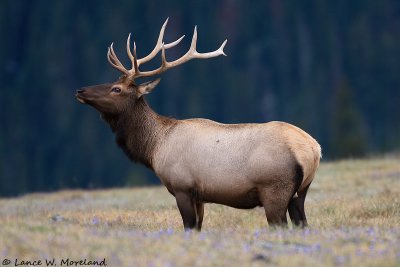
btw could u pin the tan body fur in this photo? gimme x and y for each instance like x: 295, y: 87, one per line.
x: 223, y: 162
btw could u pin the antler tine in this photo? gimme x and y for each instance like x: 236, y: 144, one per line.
x: 159, y: 44
x: 135, y: 63
x: 174, y: 43
x: 163, y: 57
x: 135, y: 70
x: 112, y: 58
x: 128, y: 49
x: 194, y: 40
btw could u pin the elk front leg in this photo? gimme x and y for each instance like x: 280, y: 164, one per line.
x: 187, y: 208
x: 200, y: 214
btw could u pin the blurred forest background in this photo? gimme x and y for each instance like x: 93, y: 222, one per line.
x: 329, y: 67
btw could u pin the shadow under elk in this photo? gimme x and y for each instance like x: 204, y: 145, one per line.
x: 201, y: 161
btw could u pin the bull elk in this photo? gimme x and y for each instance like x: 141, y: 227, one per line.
x: 201, y: 161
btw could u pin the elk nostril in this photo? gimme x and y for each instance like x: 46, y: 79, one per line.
x: 80, y: 91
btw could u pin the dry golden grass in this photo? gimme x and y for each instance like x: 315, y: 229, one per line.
x: 353, y: 208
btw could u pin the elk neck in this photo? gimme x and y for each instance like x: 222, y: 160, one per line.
x: 139, y: 131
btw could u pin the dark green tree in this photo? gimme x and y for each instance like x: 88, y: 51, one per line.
x: 348, y: 134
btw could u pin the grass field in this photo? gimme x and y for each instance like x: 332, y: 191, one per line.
x: 353, y: 209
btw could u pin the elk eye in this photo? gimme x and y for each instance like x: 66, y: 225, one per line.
x: 116, y: 90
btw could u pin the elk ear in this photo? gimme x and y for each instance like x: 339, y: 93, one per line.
x: 147, y: 87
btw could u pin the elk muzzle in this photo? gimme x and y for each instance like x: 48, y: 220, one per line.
x: 80, y: 96
x: 89, y: 94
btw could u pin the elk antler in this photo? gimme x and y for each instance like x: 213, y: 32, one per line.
x: 134, y: 72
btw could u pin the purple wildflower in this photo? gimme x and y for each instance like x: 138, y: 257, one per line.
x: 95, y: 220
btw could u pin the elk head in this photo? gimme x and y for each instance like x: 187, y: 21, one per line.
x: 114, y: 98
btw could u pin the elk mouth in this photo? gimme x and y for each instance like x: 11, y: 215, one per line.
x: 80, y: 99
x: 80, y: 96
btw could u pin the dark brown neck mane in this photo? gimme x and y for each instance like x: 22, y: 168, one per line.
x: 139, y: 130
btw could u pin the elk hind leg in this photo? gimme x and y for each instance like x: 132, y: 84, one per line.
x: 296, y: 208
x: 275, y: 206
